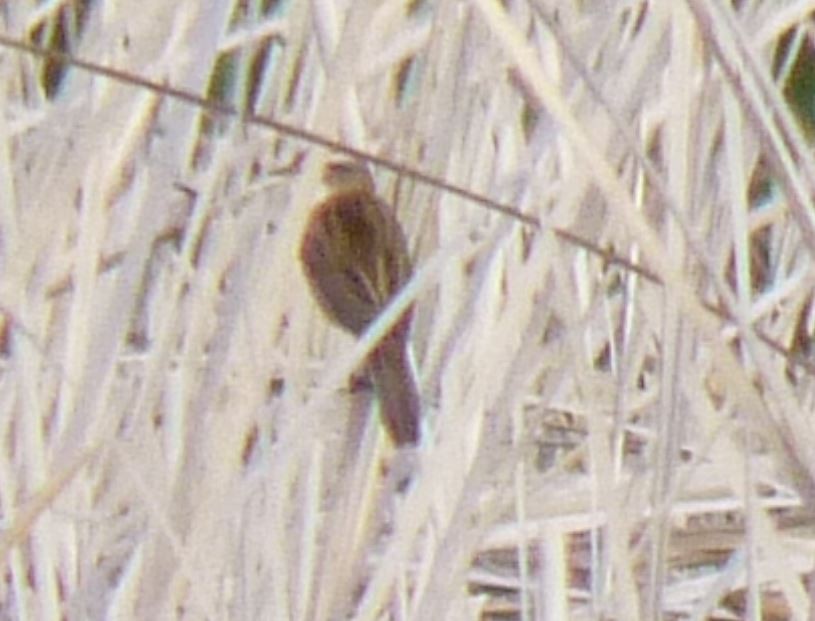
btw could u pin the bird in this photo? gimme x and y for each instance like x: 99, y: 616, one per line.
x: 355, y: 257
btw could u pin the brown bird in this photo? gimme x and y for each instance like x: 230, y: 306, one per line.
x: 355, y: 257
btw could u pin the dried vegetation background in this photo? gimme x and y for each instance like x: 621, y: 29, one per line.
x: 618, y: 378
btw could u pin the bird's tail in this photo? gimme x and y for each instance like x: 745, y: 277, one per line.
x: 396, y: 390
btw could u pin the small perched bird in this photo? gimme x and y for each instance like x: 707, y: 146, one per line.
x: 355, y: 257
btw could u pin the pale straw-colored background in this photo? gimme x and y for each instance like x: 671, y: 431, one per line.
x: 179, y: 438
